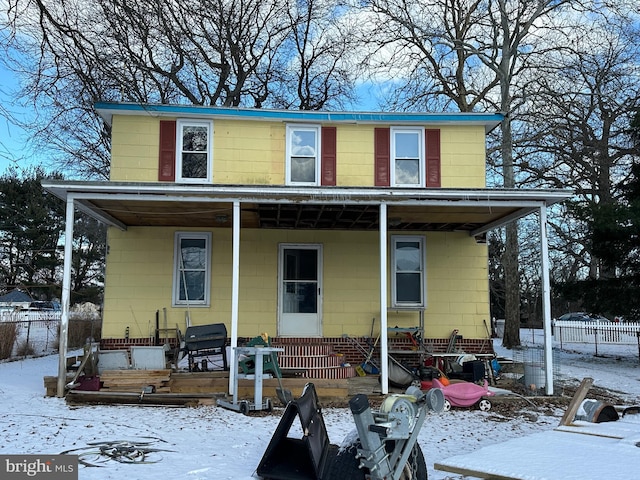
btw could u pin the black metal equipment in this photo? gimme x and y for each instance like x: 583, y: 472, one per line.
x: 204, y: 341
x: 385, y: 448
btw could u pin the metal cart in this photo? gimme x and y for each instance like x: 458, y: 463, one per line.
x: 245, y: 406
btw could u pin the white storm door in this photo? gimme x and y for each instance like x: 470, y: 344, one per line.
x: 300, y: 290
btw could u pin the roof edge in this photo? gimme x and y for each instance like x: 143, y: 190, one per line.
x: 107, y: 109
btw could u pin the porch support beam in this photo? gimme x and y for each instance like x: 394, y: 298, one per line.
x: 546, y: 302
x: 384, y: 348
x: 65, y: 299
x: 235, y: 288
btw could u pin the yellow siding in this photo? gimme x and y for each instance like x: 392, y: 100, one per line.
x: 354, y: 156
x: 463, y: 156
x: 253, y: 153
x: 139, y: 282
x: 134, y: 149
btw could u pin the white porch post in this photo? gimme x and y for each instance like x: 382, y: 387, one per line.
x: 66, y: 298
x: 546, y: 302
x: 235, y: 285
x: 384, y: 349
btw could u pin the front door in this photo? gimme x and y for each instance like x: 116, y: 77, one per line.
x: 300, y: 290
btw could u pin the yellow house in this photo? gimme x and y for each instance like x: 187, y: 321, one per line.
x: 315, y: 227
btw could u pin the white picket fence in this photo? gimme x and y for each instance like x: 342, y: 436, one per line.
x: 32, y: 316
x: 597, y: 333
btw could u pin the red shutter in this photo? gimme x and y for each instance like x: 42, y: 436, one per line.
x: 328, y: 160
x: 432, y: 140
x: 382, y: 153
x: 167, y: 157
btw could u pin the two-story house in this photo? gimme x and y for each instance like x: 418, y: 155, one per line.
x: 315, y: 227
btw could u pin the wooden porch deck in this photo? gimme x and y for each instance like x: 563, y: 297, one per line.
x: 200, y: 388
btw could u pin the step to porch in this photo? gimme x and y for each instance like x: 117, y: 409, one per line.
x: 312, y: 361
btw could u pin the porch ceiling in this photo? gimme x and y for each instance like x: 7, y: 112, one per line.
x: 472, y: 210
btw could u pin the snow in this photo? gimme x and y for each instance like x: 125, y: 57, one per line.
x: 214, y: 443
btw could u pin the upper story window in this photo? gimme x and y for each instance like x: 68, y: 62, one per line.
x: 192, y: 268
x: 408, y: 275
x: 407, y: 157
x: 303, y: 155
x: 194, y: 151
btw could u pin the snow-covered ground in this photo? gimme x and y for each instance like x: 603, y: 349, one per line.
x: 215, y: 443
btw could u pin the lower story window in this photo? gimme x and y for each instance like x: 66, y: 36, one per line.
x: 408, y: 279
x: 192, y: 268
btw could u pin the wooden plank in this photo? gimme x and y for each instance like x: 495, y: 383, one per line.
x: 578, y: 397
x: 136, y: 373
x: 471, y: 473
x: 101, y: 397
x: 135, y: 380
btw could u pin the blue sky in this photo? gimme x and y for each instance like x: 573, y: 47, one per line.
x: 13, y: 140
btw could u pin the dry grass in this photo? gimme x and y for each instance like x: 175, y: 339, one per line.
x: 8, y: 336
x: 80, y: 332
x: 25, y: 348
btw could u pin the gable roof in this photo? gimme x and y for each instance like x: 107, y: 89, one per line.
x: 15, y: 296
x: 489, y: 120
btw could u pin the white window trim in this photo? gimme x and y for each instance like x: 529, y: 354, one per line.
x: 290, y: 128
x: 423, y: 272
x: 421, y: 155
x: 178, y: 236
x: 185, y: 122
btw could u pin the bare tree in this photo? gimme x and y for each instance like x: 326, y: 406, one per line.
x: 468, y: 55
x: 582, y: 108
x: 201, y: 52
x: 320, y: 50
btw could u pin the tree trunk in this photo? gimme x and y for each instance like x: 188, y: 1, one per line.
x: 511, y: 336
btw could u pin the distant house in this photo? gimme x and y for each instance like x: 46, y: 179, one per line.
x: 315, y: 227
x: 15, y: 300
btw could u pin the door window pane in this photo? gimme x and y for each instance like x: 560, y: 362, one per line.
x: 300, y: 297
x: 300, y: 265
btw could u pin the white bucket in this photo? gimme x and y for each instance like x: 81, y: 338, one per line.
x: 500, y: 328
x: 534, y: 376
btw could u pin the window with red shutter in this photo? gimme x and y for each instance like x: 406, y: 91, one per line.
x: 186, y: 151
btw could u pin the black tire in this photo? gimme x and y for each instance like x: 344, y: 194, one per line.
x: 344, y: 466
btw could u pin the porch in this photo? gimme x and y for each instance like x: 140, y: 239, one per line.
x: 329, y: 363
x: 459, y: 217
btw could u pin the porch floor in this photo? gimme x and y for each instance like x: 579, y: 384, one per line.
x: 206, y: 387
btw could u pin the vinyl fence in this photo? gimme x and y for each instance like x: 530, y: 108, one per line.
x: 33, y: 316
x: 597, y: 333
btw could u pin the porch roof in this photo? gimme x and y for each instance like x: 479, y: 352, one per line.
x: 125, y: 204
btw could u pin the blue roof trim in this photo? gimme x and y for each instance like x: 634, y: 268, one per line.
x: 106, y: 109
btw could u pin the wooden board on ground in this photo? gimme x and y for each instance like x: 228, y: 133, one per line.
x: 76, y: 397
x: 577, y: 399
